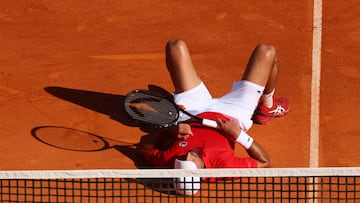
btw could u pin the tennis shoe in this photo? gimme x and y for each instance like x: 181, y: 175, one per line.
x: 264, y: 115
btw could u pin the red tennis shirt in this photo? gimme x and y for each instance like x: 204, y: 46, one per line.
x: 216, y: 150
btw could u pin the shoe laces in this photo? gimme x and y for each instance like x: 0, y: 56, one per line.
x: 278, y: 111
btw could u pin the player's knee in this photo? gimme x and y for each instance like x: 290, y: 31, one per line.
x: 175, y: 44
x: 267, y: 51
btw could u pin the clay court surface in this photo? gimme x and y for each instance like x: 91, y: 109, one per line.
x: 66, y: 65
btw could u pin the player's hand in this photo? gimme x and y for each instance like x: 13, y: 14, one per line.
x: 229, y: 128
x: 181, y: 131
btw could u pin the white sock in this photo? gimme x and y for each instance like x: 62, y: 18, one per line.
x: 267, y: 99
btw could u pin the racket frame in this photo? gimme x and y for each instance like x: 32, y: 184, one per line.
x: 203, y: 121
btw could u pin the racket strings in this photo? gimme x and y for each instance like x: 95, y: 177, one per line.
x: 151, y: 110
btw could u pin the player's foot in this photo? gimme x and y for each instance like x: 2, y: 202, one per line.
x: 264, y: 115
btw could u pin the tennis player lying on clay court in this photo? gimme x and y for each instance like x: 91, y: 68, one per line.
x: 194, y: 146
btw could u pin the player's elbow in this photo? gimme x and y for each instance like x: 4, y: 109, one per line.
x: 265, y: 162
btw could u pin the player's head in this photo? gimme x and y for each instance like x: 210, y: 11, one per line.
x: 188, y: 185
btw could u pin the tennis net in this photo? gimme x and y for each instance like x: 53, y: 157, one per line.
x: 156, y: 185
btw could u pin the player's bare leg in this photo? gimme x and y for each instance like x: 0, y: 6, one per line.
x: 180, y: 66
x: 262, y: 69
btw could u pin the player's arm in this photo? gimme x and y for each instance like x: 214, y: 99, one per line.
x: 163, y: 139
x: 233, y: 130
x: 181, y: 131
x: 257, y: 152
x: 149, y: 142
x: 157, y: 148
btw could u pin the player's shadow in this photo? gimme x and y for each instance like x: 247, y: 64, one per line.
x: 111, y: 105
x: 108, y: 104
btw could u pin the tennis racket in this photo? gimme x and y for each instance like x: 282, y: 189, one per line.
x: 156, y: 110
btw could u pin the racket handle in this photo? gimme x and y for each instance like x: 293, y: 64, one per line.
x: 209, y: 123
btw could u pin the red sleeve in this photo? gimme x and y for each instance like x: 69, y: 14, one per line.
x: 156, y: 158
x: 161, y: 158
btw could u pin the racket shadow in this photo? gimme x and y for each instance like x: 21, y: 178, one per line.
x: 76, y: 140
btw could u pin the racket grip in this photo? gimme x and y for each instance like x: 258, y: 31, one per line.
x: 210, y: 123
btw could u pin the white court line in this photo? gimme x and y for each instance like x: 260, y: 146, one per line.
x: 315, y: 84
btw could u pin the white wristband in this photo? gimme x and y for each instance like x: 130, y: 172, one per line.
x: 245, y: 140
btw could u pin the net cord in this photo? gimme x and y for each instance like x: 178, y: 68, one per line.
x: 172, y: 173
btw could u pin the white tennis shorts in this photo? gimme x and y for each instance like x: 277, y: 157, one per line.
x: 240, y: 103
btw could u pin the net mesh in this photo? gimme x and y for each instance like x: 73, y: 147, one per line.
x: 217, y: 185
